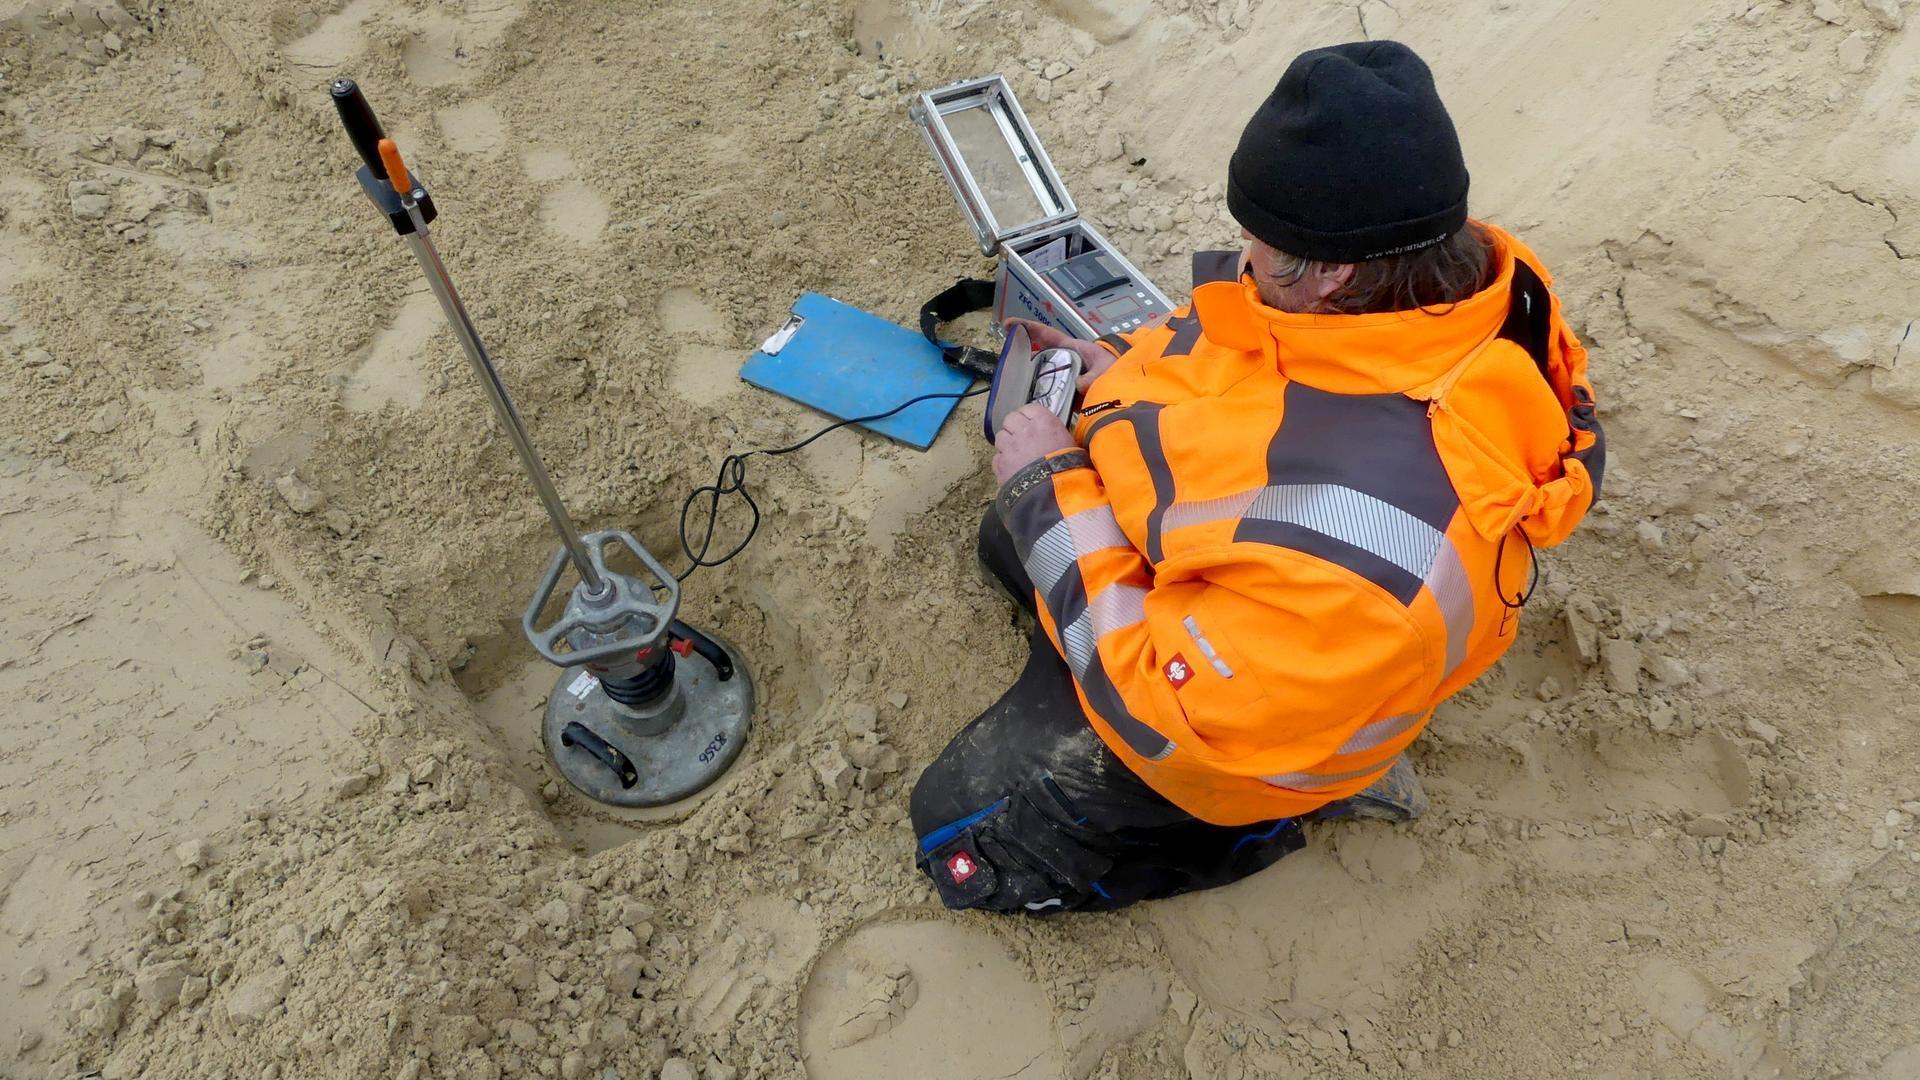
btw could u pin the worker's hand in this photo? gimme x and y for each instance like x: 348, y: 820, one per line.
x: 1031, y: 433
x: 1094, y: 358
x: 1093, y: 365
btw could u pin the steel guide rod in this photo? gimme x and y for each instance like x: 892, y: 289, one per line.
x: 463, y: 329
x: 408, y: 207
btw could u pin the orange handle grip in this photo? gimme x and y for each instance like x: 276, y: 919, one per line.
x: 396, y: 168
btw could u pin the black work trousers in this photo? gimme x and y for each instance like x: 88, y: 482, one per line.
x: 1027, y: 810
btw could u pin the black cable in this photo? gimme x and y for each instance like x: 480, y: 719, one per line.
x: 732, y: 480
x: 1533, y: 577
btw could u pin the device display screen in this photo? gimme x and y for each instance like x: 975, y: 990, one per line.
x: 1084, y: 275
x: 1120, y: 308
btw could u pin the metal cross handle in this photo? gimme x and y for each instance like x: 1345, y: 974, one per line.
x: 626, y: 620
x: 404, y: 200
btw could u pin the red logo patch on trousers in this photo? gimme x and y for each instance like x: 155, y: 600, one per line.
x: 961, y: 867
x: 1177, y: 671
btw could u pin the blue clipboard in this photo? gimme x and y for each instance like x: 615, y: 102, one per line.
x: 847, y: 363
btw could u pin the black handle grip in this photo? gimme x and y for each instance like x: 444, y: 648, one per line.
x: 578, y: 734
x: 705, y: 646
x: 362, y: 126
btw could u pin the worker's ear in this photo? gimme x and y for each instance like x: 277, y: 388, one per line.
x: 1330, y: 279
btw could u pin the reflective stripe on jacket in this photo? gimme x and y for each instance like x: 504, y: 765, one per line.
x: 1276, y: 552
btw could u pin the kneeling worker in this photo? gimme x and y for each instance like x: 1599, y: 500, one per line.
x: 1288, y: 523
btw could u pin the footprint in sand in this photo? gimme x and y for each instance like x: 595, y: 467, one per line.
x: 882, y: 1002
x: 546, y: 163
x: 704, y: 369
x: 438, y: 49
x: 393, y: 369
x: 326, y: 43
x: 433, y: 56
x: 233, y: 360
x: 573, y: 210
x: 20, y: 260
x: 475, y: 127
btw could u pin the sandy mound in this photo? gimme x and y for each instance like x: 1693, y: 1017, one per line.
x: 271, y: 800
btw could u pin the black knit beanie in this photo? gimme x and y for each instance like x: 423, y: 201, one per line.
x: 1352, y: 157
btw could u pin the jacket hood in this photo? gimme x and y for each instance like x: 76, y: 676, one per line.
x: 1388, y: 352
x: 1517, y: 434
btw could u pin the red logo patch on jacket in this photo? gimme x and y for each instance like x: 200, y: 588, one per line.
x: 1177, y: 671
x: 961, y: 867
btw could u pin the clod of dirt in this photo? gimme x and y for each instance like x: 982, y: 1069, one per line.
x: 89, y: 199
x: 1708, y: 825
x: 301, y: 497
x: 836, y: 773
x: 624, y: 972
x: 96, y: 1012
x: 1583, y: 625
x: 1887, y: 13
x: 194, y: 853
x: 161, y: 985
x: 347, y: 785
x: 1855, y: 52
x: 107, y: 419
x: 1622, y: 659
x: 1667, y: 670
x: 862, y: 719
x: 258, y: 995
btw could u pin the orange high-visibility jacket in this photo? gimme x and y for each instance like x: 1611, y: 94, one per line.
x: 1277, y: 551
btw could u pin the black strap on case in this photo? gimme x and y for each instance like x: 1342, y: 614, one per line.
x: 964, y: 296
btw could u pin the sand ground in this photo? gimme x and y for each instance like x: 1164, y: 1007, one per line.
x: 271, y: 799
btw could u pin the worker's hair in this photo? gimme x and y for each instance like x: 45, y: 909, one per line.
x: 1432, y: 277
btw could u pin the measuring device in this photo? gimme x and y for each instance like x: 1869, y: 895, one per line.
x: 1024, y: 377
x: 1055, y: 267
x: 648, y: 710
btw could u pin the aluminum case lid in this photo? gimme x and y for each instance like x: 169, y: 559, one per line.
x: 993, y: 161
